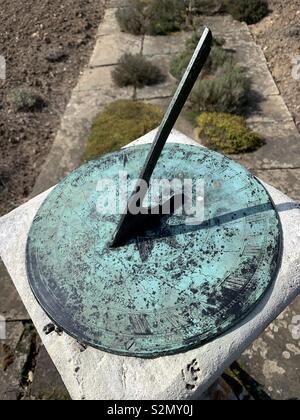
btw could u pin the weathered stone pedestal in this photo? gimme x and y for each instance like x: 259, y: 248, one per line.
x: 92, y: 374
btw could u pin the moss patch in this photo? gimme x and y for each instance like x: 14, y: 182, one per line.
x: 137, y: 71
x: 227, y: 133
x: 120, y: 123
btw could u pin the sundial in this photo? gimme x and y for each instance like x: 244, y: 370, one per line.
x: 150, y: 280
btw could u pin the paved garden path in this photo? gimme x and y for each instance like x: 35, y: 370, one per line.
x: 274, y: 359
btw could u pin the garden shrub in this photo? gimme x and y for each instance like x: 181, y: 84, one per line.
x: 218, y: 56
x: 249, y: 11
x: 227, y: 133
x: 137, y: 71
x: 152, y: 17
x: 120, y: 123
x: 227, y: 91
x: 132, y: 19
x: 165, y: 16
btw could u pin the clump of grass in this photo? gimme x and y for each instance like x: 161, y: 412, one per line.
x: 120, y: 123
x: 25, y: 100
x: 249, y: 11
x: 137, y: 71
x: 227, y: 91
x: 227, y: 133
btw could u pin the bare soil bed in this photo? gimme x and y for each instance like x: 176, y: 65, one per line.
x: 46, y: 43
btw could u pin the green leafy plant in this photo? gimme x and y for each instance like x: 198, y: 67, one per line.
x: 165, y: 16
x: 120, y: 123
x: 249, y: 11
x: 227, y: 133
x: 227, y: 91
x: 218, y: 56
x: 133, y: 18
x: 152, y: 17
x: 137, y: 71
x: 25, y: 100
x: 224, y: 86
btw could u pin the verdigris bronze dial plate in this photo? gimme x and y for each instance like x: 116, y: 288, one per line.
x: 170, y: 289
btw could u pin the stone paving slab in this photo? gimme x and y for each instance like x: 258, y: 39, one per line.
x: 110, y: 48
x: 116, y: 3
x: 273, y: 360
x: 162, y: 90
x: 225, y: 25
x: 164, y: 45
x: 286, y: 180
x: 92, y: 374
x: 253, y: 59
x: 110, y: 23
x: 281, y: 149
x: 269, y: 110
x: 99, y: 81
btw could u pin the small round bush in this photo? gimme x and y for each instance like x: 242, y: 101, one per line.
x: 24, y: 100
x: 165, y: 16
x: 218, y: 57
x: 120, y: 123
x: 249, y: 11
x: 227, y: 133
x: 137, y: 71
x: 152, y: 17
x: 227, y: 91
x: 132, y: 19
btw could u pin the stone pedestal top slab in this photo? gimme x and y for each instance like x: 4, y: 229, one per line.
x: 91, y: 374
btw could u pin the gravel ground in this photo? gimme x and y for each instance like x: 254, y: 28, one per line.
x: 45, y: 43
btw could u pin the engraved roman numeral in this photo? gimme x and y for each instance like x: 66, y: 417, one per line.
x: 140, y: 324
x: 252, y: 250
x: 234, y: 283
x: 242, y: 188
x: 130, y: 345
x: 175, y: 321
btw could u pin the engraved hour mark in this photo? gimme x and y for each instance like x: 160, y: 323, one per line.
x: 234, y: 283
x: 252, y: 250
x: 175, y: 321
x: 140, y: 324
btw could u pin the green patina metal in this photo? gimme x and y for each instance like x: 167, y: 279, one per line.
x: 173, y: 287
